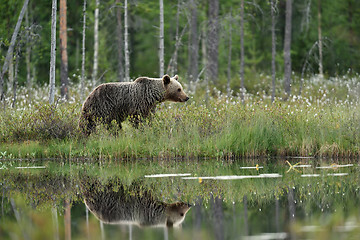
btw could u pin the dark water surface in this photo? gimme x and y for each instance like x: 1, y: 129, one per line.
x: 180, y: 199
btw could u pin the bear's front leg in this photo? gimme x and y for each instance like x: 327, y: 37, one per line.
x: 135, y: 120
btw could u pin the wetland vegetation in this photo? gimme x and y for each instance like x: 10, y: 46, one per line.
x: 323, y: 121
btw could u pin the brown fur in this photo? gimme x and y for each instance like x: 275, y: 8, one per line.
x: 118, y: 101
x: 131, y: 205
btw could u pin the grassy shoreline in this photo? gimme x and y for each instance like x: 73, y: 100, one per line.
x: 323, y: 122
x: 221, y: 128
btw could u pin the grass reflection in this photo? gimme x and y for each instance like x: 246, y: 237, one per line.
x: 48, y: 203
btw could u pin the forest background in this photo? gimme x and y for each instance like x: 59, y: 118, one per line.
x: 191, y: 22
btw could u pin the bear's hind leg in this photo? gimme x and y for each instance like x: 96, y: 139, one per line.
x: 87, y: 126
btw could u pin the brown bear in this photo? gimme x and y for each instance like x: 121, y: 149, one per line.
x: 115, y: 203
x: 120, y: 100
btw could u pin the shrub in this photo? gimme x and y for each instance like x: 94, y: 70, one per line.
x: 41, y: 122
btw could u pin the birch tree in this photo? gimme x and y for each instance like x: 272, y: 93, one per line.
x: 27, y: 56
x: 96, y: 42
x: 82, y: 81
x: 52, y: 53
x: 120, y: 42
x: 15, y: 80
x: 273, y: 48
x: 193, y: 43
x: 67, y: 219
x: 126, y: 44
x: 320, y: 40
x: 287, y: 48
x: 10, y: 81
x: 242, y: 58
x: 161, y: 38
x: 9, y: 53
x: 63, y: 51
x: 229, y: 55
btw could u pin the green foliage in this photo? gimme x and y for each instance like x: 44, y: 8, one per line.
x: 42, y: 123
x: 339, y: 30
x: 323, y: 122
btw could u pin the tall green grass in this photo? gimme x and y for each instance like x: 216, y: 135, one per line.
x: 321, y: 123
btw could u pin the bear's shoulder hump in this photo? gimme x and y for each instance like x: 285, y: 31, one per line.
x: 142, y: 80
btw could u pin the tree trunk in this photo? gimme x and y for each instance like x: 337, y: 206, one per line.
x: 18, y: 218
x: 10, y: 74
x: 96, y: 43
x: 173, y: 70
x: 320, y: 40
x: 218, y: 217
x: 27, y: 58
x: 11, y: 48
x: 82, y: 81
x: 67, y: 219
x: 15, y: 82
x: 213, y: 40
x: 304, y: 67
x: 77, y: 54
x: 287, y: 48
x: 273, y: 48
x: 87, y: 222
x: 126, y: 45
x: 242, y: 58
x: 161, y: 37
x: 292, y: 209
x: 172, y: 66
x: 63, y: 51
x: 204, y: 62
x: 120, y: 42
x: 52, y: 53
x: 33, y: 77
x: 193, y: 43
x: 277, y: 214
x: 246, y: 220
x: 55, y: 223
x: 229, y: 56
x: 198, y: 213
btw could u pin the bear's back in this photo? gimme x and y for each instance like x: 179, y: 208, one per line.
x: 121, y: 207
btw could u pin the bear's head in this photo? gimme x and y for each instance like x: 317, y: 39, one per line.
x: 175, y: 213
x: 173, y: 89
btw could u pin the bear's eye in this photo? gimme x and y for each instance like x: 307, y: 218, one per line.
x: 181, y: 214
x: 179, y: 90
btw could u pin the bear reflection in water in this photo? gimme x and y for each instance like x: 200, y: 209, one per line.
x: 115, y: 203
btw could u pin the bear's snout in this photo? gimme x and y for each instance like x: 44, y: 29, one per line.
x: 187, y: 98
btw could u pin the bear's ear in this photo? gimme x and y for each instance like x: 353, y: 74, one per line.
x: 166, y: 79
x: 176, y: 77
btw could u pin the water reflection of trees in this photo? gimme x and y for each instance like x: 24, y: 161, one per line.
x: 109, y: 200
x: 256, y: 206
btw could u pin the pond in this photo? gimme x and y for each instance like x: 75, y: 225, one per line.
x: 294, y: 198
